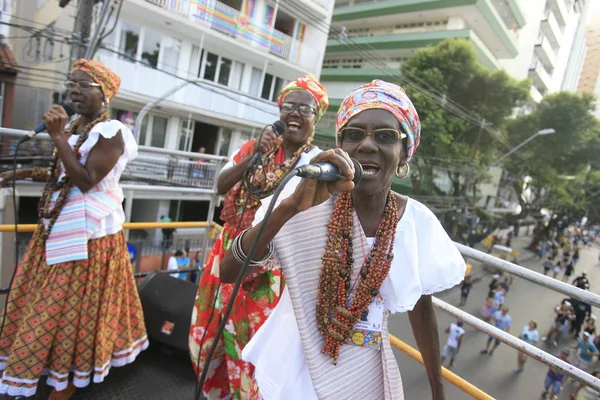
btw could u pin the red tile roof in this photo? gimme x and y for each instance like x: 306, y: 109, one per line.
x: 8, y: 63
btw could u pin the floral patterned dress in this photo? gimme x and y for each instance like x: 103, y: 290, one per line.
x: 229, y: 376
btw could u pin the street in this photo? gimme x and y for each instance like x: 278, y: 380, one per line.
x: 494, y: 374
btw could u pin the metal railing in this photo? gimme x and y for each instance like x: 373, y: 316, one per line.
x: 153, y: 166
x: 485, y: 259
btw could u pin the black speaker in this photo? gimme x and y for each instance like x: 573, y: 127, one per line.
x: 168, y: 303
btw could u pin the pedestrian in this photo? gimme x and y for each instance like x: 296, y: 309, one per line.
x: 530, y: 335
x: 555, y: 378
x: 488, y: 310
x: 581, y: 311
x: 167, y: 232
x: 547, y: 266
x: 465, y: 289
x: 575, y: 257
x: 569, y: 269
x: 564, y: 313
x: 455, y: 334
x: 493, y: 285
x: 557, y: 269
x: 581, y: 281
x: 590, y: 327
x: 587, y: 352
x: 505, y: 284
x: 502, y: 321
x: 174, y: 261
x: 584, y: 392
x: 499, y: 297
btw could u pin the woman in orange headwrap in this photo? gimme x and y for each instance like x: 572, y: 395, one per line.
x: 302, y: 103
x: 73, y: 308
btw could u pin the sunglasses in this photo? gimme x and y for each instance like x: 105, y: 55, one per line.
x: 83, y: 85
x: 384, y: 136
x: 305, y: 111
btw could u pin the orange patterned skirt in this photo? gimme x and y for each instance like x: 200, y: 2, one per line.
x: 76, y: 318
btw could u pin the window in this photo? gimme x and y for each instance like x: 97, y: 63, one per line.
x: 224, y: 70
x: 186, y: 131
x: 169, y: 53
x: 267, y: 86
x: 271, y: 87
x: 236, y: 75
x: 130, y: 36
x: 194, y: 67
x: 150, y: 48
x: 210, y: 66
x: 159, y: 132
x: 224, y: 141
x: 255, y: 81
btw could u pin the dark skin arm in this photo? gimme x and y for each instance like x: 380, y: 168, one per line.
x: 20, y: 174
x: 101, y: 160
x: 424, y: 326
x: 308, y: 193
x: 229, y: 177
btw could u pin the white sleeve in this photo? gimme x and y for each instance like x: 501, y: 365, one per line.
x: 172, y: 264
x: 231, y: 163
x: 108, y: 130
x: 425, y: 260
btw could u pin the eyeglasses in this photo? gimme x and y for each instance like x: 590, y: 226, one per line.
x: 384, y: 136
x: 83, y: 85
x: 305, y: 111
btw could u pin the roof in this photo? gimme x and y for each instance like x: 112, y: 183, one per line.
x: 8, y: 63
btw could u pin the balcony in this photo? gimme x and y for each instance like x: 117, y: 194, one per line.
x: 364, y: 74
x: 551, y: 30
x: 541, y: 79
x: 415, y: 41
x: 479, y: 15
x: 560, y: 10
x: 206, y: 97
x: 545, y: 53
x: 535, y: 94
x: 231, y: 23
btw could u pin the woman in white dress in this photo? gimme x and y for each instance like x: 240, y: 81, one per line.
x: 351, y: 255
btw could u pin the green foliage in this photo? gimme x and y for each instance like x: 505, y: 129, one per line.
x: 451, y: 69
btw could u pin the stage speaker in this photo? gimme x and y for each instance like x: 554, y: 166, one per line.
x: 168, y: 304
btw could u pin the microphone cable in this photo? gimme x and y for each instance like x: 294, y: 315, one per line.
x: 246, y: 182
x: 241, y: 276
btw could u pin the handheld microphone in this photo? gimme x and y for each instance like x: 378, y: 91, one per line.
x: 279, y: 128
x: 42, y: 126
x: 328, y: 172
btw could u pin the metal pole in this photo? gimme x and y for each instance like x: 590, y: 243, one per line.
x: 91, y: 49
x: 82, y: 27
x: 150, y: 105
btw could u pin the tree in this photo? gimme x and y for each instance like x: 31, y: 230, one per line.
x: 457, y: 145
x: 556, y: 170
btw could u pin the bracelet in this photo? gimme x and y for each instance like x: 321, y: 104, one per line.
x: 40, y: 174
x: 241, y: 257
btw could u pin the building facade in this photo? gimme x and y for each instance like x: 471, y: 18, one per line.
x: 230, y: 59
x: 591, y: 68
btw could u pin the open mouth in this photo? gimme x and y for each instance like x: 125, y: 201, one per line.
x: 293, y: 125
x: 370, y: 169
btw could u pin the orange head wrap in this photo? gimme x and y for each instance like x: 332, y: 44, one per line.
x: 109, y: 81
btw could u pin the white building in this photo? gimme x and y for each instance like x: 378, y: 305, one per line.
x: 237, y: 55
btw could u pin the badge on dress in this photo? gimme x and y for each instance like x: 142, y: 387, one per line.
x: 367, y: 331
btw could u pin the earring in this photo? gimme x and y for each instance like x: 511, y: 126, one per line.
x: 105, y: 103
x: 403, y: 171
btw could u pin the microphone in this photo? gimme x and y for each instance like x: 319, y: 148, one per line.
x: 328, y: 172
x: 42, y: 126
x: 279, y: 128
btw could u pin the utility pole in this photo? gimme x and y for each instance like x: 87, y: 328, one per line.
x: 82, y: 28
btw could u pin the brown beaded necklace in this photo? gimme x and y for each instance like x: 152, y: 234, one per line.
x: 337, y: 310
x: 46, y: 208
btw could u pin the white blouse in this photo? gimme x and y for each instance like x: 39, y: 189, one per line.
x: 425, y: 262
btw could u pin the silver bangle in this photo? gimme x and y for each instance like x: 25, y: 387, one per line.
x: 241, y: 257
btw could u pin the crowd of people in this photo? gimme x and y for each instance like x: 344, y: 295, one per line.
x: 573, y: 324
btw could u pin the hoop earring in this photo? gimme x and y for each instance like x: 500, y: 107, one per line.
x: 403, y: 171
x: 105, y: 103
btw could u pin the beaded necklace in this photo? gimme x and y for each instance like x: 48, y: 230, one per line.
x: 338, y: 309
x: 268, y: 178
x: 46, y: 208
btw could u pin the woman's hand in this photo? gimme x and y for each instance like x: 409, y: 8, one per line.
x: 7, y: 177
x: 311, y: 192
x: 56, y: 119
x: 267, y: 142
